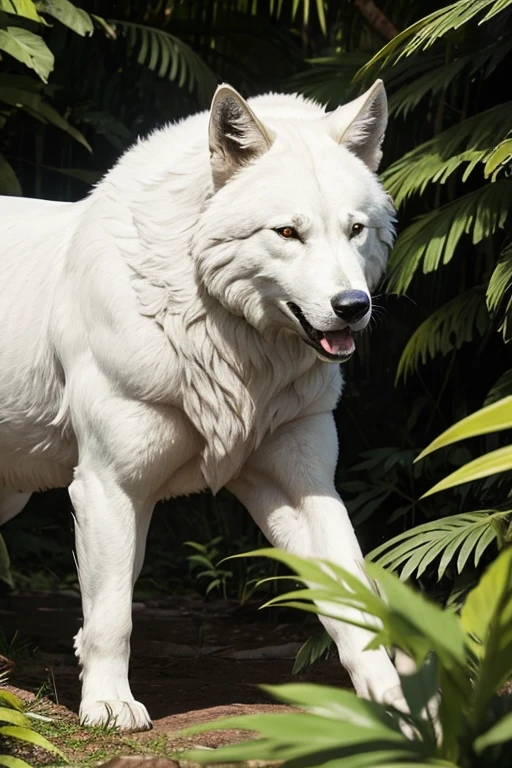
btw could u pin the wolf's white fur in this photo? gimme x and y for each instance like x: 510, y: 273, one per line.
x: 148, y: 350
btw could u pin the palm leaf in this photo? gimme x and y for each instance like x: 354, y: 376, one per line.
x: 499, y: 159
x: 438, y: 78
x: 313, y: 649
x: 169, y: 57
x: 464, y: 535
x: 490, y: 464
x: 425, y: 32
x: 471, y: 141
x: 329, y: 80
x: 492, y: 418
x: 448, y: 328
x: 501, y: 280
x: 319, y: 6
x: 431, y: 240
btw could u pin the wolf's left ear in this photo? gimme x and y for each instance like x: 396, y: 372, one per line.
x: 236, y: 135
x: 360, y: 125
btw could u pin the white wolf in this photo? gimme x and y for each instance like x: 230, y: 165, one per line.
x: 173, y: 332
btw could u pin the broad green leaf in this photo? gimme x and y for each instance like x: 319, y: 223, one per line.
x: 32, y: 737
x: 421, y: 687
x: 499, y: 733
x: 9, y: 698
x: 13, y: 716
x: 487, y: 619
x: 68, y: 14
x: 28, y: 48
x: 332, y: 702
x: 13, y: 762
x: 9, y: 183
x: 25, y: 8
x: 490, y: 464
x: 306, y: 730
x: 426, y: 625
x: 489, y: 419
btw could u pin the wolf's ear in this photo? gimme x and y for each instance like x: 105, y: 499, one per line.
x: 360, y: 125
x: 236, y: 135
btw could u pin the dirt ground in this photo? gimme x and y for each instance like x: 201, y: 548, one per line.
x: 192, y: 661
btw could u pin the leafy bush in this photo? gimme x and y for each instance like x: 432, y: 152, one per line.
x: 16, y: 725
x: 467, y: 534
x: 467, y: 657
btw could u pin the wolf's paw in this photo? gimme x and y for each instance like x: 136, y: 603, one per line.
x: 121, y: 715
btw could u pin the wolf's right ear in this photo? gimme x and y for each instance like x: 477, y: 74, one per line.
x: 236, y: 135
x: 360, y: 125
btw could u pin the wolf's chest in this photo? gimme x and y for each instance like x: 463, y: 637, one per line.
x: 234, y: 424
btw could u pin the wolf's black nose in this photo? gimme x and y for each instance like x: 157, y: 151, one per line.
x: 351, y: 306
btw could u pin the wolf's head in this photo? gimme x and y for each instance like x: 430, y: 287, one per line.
x: 298, y: 230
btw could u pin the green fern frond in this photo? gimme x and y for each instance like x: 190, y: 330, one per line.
x: 462, y: 536
x: 169, y: 57
x: 431, y: 240
x: 438, y: 78
x: 501, y: 280
x: 499, y: 291
x: 449, y: 327
x: 425, y: 32
x: 470, y: 141
x: 499, y: 160
x: 329, y: 80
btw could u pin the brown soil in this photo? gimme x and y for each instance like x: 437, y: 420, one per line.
x: 192, y: 661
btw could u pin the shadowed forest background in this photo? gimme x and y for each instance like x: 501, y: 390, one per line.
x: 77, y: 89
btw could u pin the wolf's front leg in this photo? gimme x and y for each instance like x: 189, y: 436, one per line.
x: 288, y: 487
x: 111, y: 529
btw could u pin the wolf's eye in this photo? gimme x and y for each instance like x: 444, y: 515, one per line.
x: 289, y: 233
x: 356, y: 229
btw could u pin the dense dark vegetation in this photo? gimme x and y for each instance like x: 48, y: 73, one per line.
x: 77, y: 89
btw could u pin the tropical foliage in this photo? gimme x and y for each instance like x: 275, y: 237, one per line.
x: 466, y: 657
x: 466, y: 535
x: 16, y: 725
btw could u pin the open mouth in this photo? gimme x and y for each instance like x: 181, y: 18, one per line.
x: 337, y: 346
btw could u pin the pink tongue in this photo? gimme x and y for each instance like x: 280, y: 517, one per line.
x: 336, y: 342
